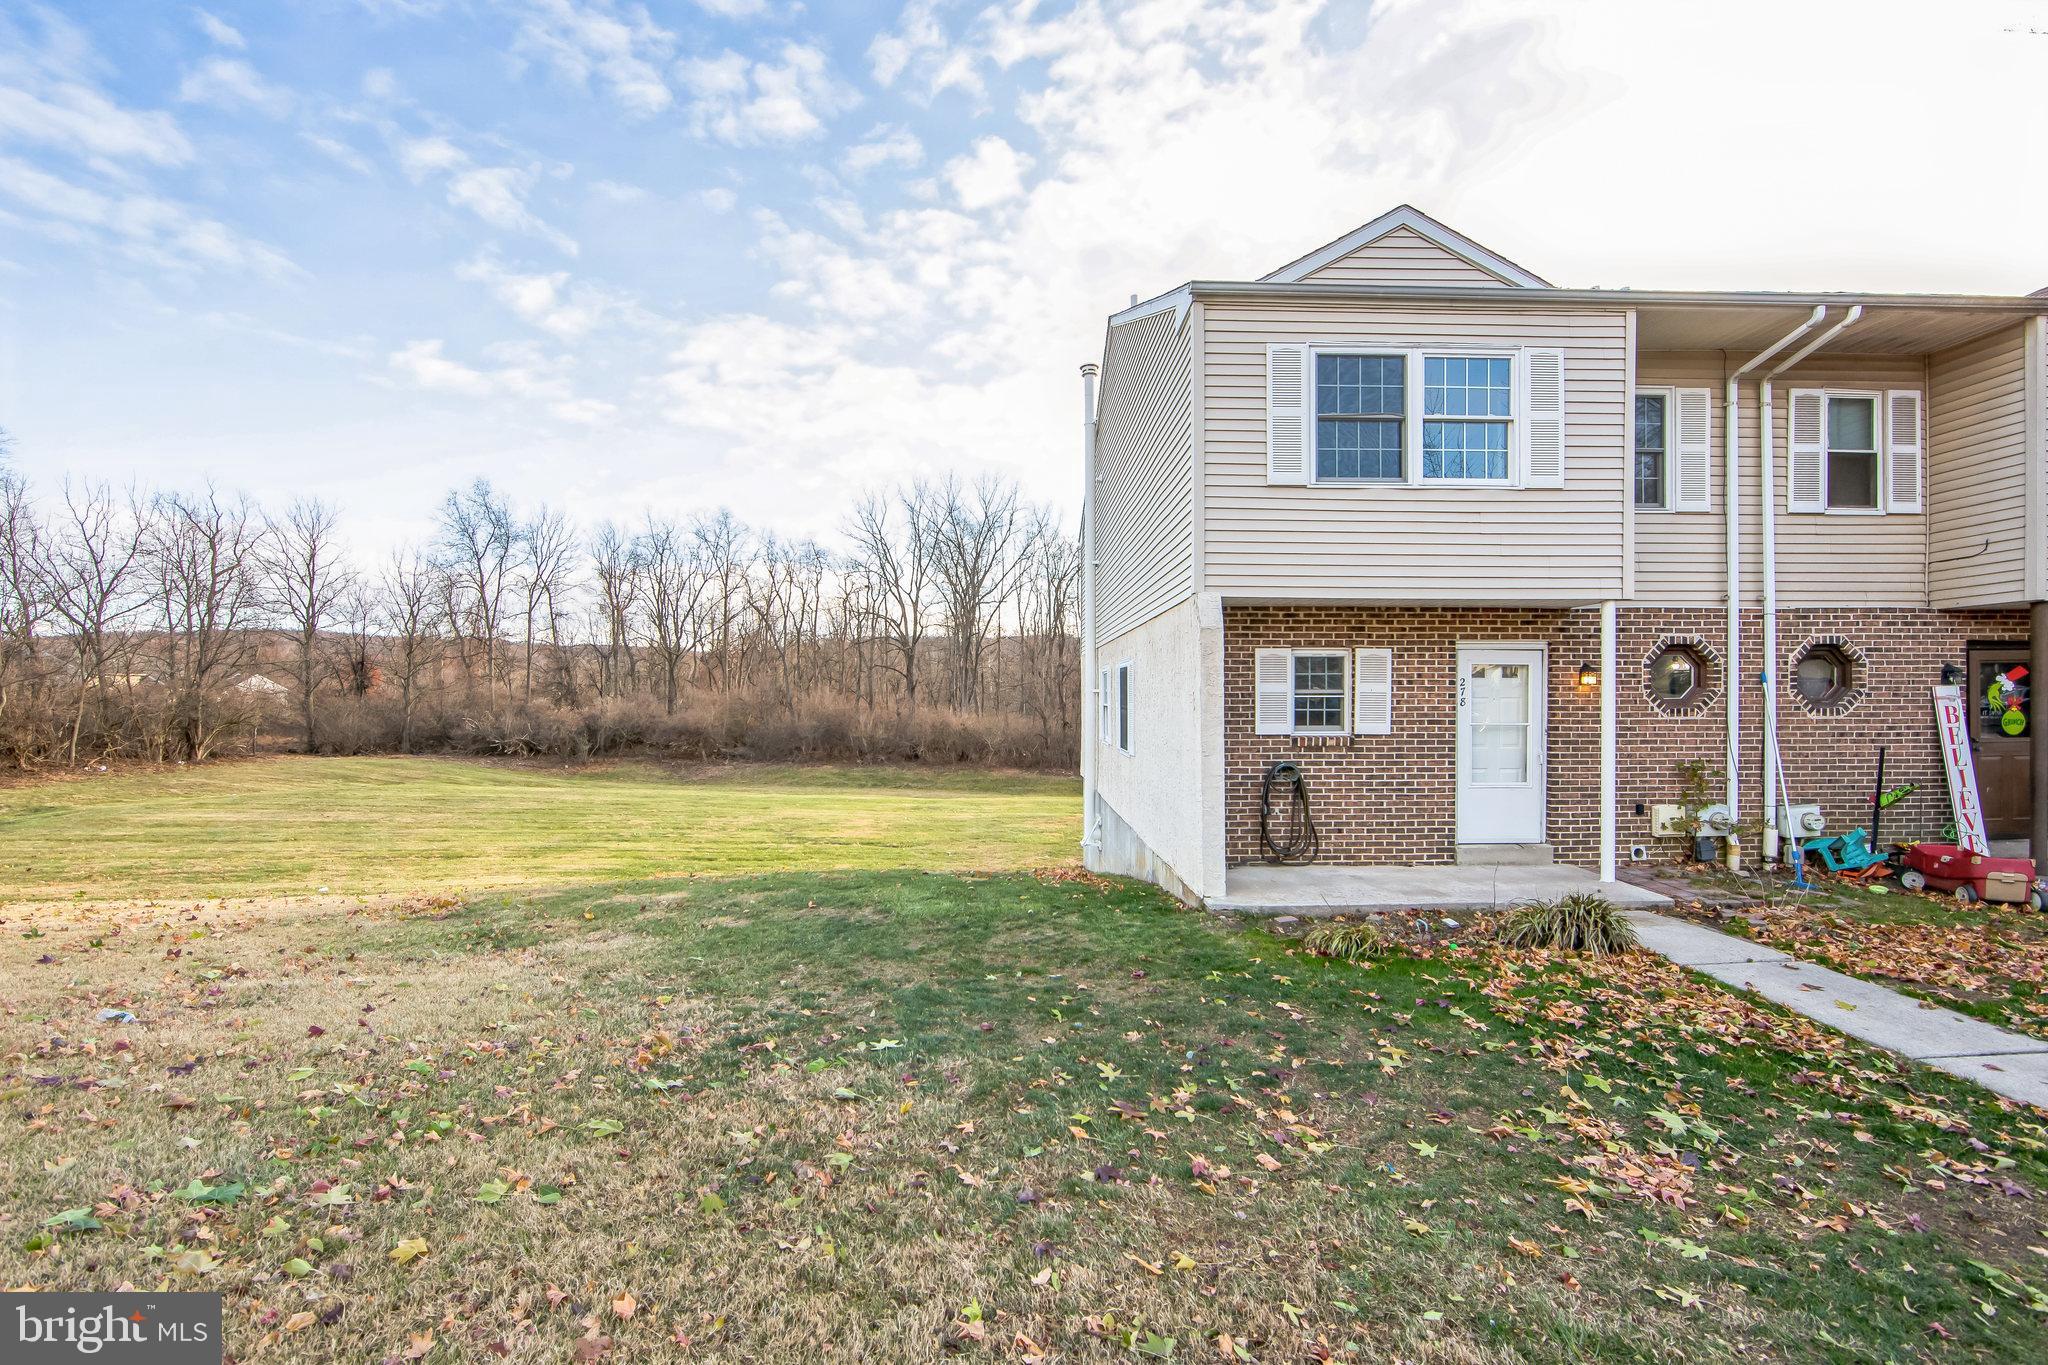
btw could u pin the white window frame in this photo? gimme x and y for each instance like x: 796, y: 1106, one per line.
x: 1669, y: 394
x: 1120, y: 713
x: 1411, y: 405
x: 1414, y: 358
x: 1343, y: 726
x: 1881, y: 463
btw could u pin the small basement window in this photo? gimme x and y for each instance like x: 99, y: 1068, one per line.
x: 1123, y: 707
x: 1677, y: 676
x: 1822, y: 675
x: 1319, y: 693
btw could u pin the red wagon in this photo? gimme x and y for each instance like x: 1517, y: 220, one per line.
x: 1971, y: 876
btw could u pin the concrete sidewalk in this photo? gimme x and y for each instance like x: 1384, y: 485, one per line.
x: 2011, y: 1064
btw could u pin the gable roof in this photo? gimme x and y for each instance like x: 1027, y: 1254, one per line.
x: 1421, y: 224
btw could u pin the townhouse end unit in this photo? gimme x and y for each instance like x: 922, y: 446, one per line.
x: 1502, y: 569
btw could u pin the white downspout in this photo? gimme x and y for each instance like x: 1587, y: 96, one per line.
x: 1731, y: 470
x: 1767, y: 474
x: 1608, y: 756
x: 1091, y: 827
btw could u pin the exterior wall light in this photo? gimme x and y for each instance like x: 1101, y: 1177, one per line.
x: 1589, y: 675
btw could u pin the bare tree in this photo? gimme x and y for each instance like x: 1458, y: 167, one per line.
x: 24, y: 604
x: 476, y: 543
x: 202, y: 555
x: 725, y: 549
x: 615, y: 560
x: 89, y: 564
x: 891, y: 574
x: 975, y: 563
x: 411, y: 617
x: 676, y: 586
x: 307, y: 581
x: 547, y: 546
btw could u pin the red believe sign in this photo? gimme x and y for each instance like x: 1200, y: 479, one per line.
x: 1952, y: 724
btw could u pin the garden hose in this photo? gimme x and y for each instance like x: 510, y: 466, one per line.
x: 1294, y: 841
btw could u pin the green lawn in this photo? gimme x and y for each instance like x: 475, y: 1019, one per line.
x: 911, y: 1117
x: 293, y: 826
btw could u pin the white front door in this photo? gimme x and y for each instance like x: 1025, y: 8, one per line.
x: 1501, y: 717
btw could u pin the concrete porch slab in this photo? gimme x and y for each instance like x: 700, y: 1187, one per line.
x: 1263, y: 889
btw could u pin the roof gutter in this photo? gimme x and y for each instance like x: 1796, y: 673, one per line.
x: 2017, y: 305
x: 1774, y: 766
x: 1731, y: 497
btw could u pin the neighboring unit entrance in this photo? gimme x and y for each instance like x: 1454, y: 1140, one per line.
x: 2001, y: 697
x: 1501, y: 715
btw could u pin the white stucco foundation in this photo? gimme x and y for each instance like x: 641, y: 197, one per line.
x: 1151, y: 811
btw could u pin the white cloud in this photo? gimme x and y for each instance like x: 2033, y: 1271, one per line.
x: 885, y: 145
x: 719, y: 199
x: 222, y: 32
x: 143, y: 227
x: 516, y: 371
x: 340, y: 151
x: 496, y: 194
x: 733, y: 9
x: 992, y: 173
x: 229, y: 83
x: 618, y: 192
x: 920, y: 46
x: 743, y: 102
x: 380, y: 83
x: 622, y: 49
x: 50, y: 97
x: 552, y: 302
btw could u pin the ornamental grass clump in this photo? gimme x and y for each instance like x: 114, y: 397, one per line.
x: 1347, y: 940
x: 1584, y: 922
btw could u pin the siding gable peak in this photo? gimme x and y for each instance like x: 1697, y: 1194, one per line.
x: 1405, y: 246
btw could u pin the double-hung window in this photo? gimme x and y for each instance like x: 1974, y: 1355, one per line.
x: 1320, y: 693
x: 1852, y: 453
x: 1467, y: 404
x: 1653, y: 449
x: 1361, y: 417
x: 1413, y: 417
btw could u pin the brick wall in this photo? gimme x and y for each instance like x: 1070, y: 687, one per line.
x: 1393, y: 798
x: 1830, y: 757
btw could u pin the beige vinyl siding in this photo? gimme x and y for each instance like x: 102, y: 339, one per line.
x: 1144, y: 494
x: 1403, y: 256
x: 1408, y: 543
x: 1823, y: 560
x: 1680, y: 556
x: 1976, y: 473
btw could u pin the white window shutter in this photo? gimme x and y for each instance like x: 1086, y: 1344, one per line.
x: 1542, y: 418
x: 1692, y: 451
x: 1806, y: 456
x: 1102, y: 707
x: 1287, y: 414
x: 1273, y: 702
x: 1902, y: 450
x: 1372, y: 692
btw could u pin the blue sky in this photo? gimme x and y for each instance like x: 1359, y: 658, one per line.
x: 758, y: 253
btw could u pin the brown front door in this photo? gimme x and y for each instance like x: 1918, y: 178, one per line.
x: 2002, y: 703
